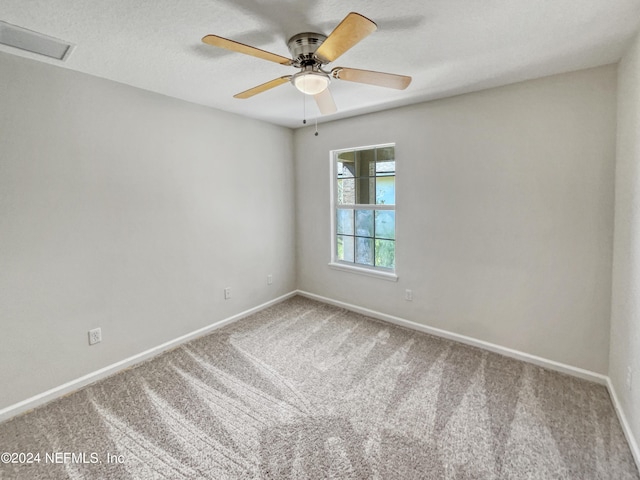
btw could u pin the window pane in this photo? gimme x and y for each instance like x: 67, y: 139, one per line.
x: 366, y: 193
x: 365, y: 163
x: 385, y: 168
x: 386, y: 190
x: 385, y: 253
x: 364, y: 223
x: 347, y: 157
x: 364, y: 251
x: 386, y: 224
x: 344, y: 169
x: 386, y: 153
x: 346, y: 191
x: 344, y: 221
x: 344, y: 248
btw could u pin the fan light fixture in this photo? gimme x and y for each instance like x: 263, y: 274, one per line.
x: 310, y: 82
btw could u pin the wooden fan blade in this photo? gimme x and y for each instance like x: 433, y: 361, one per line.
x: 262, y: 88
x: 325, y: 102
x: 380, y: 79
x: 234, y: 46
x: 350, y: 31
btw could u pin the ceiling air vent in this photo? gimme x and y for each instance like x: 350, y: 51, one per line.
x: 18, y: 37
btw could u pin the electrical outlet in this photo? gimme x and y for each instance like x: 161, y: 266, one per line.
x: 629, y: 378
x: 95, y: 336
x: 269, y: 279
x: 408, y: 295
x: 227, y: 293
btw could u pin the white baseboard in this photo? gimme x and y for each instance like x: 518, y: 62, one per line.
x: 78, y: 383
x: 508, y: 352
x: 626, y: 428
x: 85, y: 380
x: 492, y: 347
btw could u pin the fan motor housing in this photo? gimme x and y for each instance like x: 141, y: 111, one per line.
x: 303, y: 46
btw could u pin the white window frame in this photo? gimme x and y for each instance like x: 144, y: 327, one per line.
x: 371, y: 271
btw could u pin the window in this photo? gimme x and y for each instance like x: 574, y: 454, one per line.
x: 364, y: 219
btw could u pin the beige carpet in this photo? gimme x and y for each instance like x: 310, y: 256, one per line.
x: 303, y: 390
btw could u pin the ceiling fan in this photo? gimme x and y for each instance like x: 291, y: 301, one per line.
x: 311, y: 52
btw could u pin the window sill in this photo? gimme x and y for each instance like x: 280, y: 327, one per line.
x: 369, y: 272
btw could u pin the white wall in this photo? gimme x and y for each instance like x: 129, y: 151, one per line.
x: 505, y: 214
x: 625, y: 303
x: 130, y: 211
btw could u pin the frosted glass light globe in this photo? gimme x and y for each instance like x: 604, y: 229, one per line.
x: 311, y: 83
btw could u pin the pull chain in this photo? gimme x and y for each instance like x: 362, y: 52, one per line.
x: 304, y: 113
x: 304, y: 109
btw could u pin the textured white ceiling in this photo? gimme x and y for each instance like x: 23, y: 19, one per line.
x: 447, y: 46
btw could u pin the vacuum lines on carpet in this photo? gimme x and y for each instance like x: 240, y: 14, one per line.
x: 307, y: 390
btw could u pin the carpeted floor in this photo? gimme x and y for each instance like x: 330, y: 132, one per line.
x: 304, y: 390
